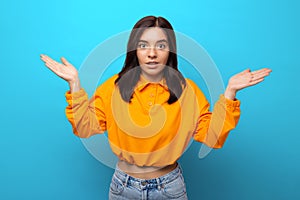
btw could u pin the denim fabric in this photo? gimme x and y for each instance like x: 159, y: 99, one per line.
x: 168, y: 186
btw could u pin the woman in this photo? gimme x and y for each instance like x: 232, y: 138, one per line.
x: 151, y: 112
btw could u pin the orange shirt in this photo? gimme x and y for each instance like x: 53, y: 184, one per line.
x: 148, y: 131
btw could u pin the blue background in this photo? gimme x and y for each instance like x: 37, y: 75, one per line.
x: 40, y: 158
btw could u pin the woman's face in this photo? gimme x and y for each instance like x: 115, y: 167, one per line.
x: 152, y: 53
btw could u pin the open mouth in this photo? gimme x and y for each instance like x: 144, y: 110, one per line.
x: 152, y: 63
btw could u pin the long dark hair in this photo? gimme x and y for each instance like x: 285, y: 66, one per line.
x: 130, y: 73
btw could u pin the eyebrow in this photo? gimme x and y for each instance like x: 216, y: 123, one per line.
x: 163, y: 40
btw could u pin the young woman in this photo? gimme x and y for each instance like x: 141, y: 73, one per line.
x: 151, y: 112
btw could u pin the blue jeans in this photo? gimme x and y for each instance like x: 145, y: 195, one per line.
x: 168, y: 186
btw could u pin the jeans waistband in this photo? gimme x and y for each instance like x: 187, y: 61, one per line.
x: 138, y: 183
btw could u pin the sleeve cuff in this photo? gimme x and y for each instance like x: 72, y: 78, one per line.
x: 229, y: 102
x: 75, y: 95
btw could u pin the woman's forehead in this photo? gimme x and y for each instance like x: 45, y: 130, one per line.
x: 154, y: 34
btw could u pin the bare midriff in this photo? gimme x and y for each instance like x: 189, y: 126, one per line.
x: 145, y: 172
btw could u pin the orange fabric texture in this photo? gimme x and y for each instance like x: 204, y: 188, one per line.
x: 148, y: 131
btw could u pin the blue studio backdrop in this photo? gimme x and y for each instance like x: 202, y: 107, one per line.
x: 40, y: 158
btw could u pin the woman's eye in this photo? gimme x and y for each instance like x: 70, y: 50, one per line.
x: 142, y: 45
x: 161, y: 46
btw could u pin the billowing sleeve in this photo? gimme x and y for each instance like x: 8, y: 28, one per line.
x: 87, y: 117
x: 212, y: 128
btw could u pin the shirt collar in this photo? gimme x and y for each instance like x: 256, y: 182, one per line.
x: 143, y: 82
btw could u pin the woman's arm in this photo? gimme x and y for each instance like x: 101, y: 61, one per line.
x: 214, y: 127
x: 86, y: 116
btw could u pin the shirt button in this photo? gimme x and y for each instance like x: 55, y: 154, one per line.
x: 151, y: 95
x: 150, y: 103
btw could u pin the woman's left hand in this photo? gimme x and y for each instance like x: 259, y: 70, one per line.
x: 244, y: 79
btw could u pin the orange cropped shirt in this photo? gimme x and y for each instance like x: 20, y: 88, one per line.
x: 148, y: 131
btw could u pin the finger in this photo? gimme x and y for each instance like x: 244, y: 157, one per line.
x: 52, y: 67
x: 254, y: 82
x: 64, y: 61
x: 246, y: 71
x: 262, y: 71
x: 58, y: 71
x: 50, y: 60
x: 52, y: 64
x: 260, y: 74
x: 43, y: 57
x: 47, y: 59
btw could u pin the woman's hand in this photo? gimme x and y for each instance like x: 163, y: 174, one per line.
x: 243, y: 80
x: 65, y: 70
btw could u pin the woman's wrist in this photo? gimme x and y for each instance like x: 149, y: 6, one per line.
x: 74, y: 85
x: 230, y: 93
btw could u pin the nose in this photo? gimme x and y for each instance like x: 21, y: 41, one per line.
x: 152, y: 53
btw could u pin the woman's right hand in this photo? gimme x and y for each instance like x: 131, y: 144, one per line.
x: 65, y: 70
